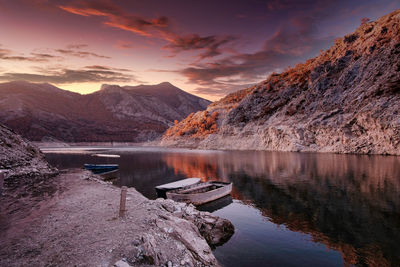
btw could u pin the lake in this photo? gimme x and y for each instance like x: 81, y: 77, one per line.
x: 288, y: 209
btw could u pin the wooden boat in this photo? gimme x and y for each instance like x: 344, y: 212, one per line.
x: 201, y: 193
x: 99, y: 168
x: 162, y: 189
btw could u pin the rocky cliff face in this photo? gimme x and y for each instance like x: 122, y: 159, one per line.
x: 346, y: 100
x: 42, y: 112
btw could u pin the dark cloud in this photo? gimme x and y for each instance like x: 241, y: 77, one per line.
x: 291, y: 43
x: 64, y: 76
x: 157, y: 27
x: 116, y: 17
x: 70, y: 50
x: 100, y: 67
x: 6, y: 54
x: 44, y: 56
x: 79, y: 53
x: 210, y: 44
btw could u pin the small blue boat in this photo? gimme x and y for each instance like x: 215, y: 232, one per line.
x: 100, y: 168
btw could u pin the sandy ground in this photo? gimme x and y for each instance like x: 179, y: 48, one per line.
x: 73, y: 221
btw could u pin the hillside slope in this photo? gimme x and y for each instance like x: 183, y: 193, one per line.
x: 346, y: 100
x: 23, y: 163
x: 42, y: 112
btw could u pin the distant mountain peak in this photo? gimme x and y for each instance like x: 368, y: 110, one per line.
x: 159, y: 86
x: 27, y: 83
x: 42, y: 87
x: 166, y: 84
x: 114, y: 113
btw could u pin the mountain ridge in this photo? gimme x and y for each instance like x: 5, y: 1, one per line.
x: 114, y: 113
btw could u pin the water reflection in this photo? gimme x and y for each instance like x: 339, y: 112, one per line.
x: 348, y: 203
x: 216, y: 204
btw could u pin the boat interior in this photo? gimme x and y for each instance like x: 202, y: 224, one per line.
x: 196, y: 189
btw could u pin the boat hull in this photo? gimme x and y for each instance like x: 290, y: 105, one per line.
x: 97, y: 168
x: 202, y: 197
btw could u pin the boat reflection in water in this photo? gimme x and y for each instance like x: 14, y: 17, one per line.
x: 289, y: 209
x: 216, y: 204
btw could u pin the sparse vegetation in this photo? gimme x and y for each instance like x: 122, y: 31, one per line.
x: 198, y: 124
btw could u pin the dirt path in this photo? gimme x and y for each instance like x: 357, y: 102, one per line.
x: 74, y: 222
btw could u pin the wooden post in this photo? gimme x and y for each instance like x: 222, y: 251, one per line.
x: 1, y: 182
x: 122, y: 205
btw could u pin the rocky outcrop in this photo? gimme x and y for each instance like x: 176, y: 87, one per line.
x: 22, y: 162
x: 215, y: 230
x: 42, y: 112
x: 346, y: 100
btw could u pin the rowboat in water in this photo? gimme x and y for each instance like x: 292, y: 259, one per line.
x: 162, y: 189
x: 200, y: 193
x: 100, y: 168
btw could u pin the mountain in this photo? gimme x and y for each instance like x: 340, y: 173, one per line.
x: 42, y: 112
x: 346, y: 100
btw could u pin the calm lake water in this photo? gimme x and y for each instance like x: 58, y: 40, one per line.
x: 288, y: 209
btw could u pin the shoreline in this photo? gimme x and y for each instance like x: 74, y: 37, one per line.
x: 168, y: 145
x: 72, y: 219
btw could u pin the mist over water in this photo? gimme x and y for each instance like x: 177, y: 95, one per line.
x: 289, y: 209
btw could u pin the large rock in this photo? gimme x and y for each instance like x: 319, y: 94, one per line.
x: 345, y: 100
x: 214, y: 229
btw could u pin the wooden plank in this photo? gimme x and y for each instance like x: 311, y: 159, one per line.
x: 122, y: 204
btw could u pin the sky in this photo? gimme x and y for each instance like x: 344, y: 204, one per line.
x: 208, y: 48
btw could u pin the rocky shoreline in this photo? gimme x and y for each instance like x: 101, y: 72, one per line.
x: 73, y: 221
x: 71, y: 218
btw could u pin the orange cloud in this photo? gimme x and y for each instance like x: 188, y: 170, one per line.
x: 116, y: 17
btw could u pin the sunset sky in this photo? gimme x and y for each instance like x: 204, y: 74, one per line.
x: 208, y: 48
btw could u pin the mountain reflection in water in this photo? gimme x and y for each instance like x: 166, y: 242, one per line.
x: 349, y: 203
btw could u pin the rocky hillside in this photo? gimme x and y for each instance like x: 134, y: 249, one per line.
x: 42, y: 112
x: 345, y: 100
x: 23, y: 163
